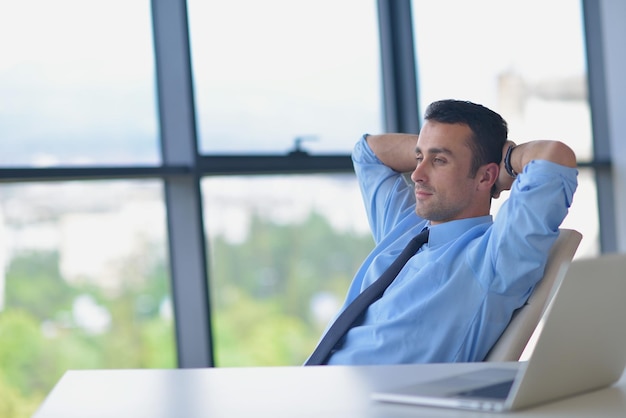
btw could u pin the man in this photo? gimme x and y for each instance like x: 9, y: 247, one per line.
x: 452, y: 300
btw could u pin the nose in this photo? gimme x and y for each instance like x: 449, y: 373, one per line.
x: 418, y: 175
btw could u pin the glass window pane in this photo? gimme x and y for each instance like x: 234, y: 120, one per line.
x: 583, y: 215
x: 267, y: 72
x: 283, y: 252
x: 84, y: 283
x: 535, y: 78
x: 527, y: 65
x: 77, y: 83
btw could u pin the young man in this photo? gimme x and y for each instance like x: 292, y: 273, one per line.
x: 453, y: 299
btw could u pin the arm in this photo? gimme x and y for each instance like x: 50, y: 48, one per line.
x: 396, y: 151
x: 554, y: 151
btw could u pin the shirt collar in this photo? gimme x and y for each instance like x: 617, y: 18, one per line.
x: 448, y: 231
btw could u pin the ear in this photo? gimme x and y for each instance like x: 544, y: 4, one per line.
x: 487, y: 176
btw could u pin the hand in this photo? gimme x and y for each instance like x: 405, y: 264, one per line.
x: 504, y: 181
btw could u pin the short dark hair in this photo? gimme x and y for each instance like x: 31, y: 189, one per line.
x: 489, y: 129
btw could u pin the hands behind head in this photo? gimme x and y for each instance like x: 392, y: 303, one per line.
x: 504, y: 180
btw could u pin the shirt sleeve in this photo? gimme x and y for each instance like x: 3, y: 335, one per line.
x: 387, y: 197
x: 527, y: 224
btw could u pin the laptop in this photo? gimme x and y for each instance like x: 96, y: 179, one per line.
x: 581, y: 347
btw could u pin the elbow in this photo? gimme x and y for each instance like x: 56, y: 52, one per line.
x: 560, y: 153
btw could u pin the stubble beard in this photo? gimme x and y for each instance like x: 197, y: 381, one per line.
x: 435, y: 210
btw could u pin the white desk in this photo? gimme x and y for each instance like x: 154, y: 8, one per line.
x: 289, y: 392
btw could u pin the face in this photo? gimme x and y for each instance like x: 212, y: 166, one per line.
x: 444, y: 190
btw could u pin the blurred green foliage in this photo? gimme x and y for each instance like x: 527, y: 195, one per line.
x: 260, y: 296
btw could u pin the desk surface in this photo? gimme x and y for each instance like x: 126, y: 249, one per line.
x: 277, y: 392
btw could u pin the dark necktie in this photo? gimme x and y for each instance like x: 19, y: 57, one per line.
x: 373, y: 292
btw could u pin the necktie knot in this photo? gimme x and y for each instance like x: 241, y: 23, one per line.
x: 419, y: 240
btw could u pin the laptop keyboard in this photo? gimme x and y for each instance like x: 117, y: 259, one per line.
x: 496, y: 391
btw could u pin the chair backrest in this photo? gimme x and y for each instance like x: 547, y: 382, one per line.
x: 517, y: 334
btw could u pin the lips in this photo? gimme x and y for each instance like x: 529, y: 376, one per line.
x: 422, y: 192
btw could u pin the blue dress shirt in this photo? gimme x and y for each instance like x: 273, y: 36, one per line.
x: 453, y: 299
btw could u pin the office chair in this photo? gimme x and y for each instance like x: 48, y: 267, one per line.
x: 517, y: 334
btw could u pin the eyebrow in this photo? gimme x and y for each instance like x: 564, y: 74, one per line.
x: 446, y: 151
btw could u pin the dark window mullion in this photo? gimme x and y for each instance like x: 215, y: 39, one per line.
x: 599, y: 105
x: 189, y: 278
x: 274, y: 164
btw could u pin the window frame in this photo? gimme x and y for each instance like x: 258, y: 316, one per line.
x: 183, y: 168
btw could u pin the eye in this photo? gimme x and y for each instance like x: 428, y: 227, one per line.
x: 438, y: 160
x: 419, y: 159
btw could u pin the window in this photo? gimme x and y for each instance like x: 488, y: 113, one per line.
x: 283, y: 251
x: 77, y: 80
x: 536, y: 79
x: 272, y: 78
x: 267, y: 73
x: 84, y: 280
x: 85, y: 283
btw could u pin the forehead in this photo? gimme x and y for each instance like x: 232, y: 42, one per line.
x: 452, y: 137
